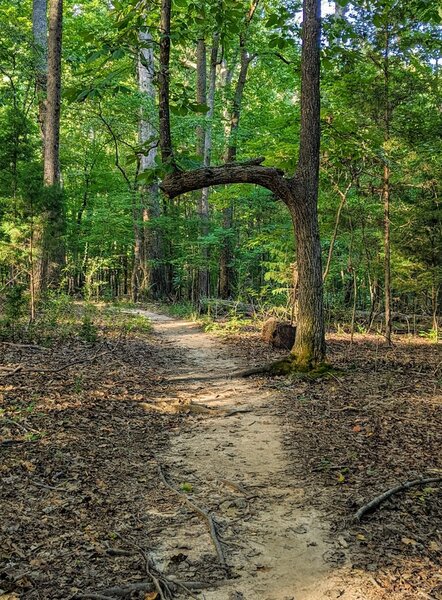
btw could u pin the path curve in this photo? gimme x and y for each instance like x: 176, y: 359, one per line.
x: 277, y: 547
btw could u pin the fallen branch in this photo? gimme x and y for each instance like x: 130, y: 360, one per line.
x: 18, y: 425
x: 203, y: 513
x: 142, y: 586
x: 373, y: 504
x: 80, y: 361
x: 29, y: 346
x: 13, y: 442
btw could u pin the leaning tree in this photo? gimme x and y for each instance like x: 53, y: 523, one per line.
x: 299, y: 191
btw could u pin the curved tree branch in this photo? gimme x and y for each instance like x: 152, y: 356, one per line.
x: 253, y: 172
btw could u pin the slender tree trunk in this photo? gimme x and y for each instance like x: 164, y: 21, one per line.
x: 40, y: 36
x: 343, y: 196
x: 201, y: 98
x: 387, y: 254
x: 386, y: 191
x: 204, y: 283
x: 148, y: 271
x: 48, y: 238
x: 226, y: 255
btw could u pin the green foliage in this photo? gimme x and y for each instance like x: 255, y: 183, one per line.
x: 103, y: 189
x: 88, y: 330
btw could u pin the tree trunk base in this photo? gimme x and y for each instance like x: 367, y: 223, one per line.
x: 293, y: 367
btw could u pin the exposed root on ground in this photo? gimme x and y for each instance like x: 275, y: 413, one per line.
x: 203, y: 513
x: 289, y: 366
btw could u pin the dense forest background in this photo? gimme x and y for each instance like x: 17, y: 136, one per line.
x: 235, y: 88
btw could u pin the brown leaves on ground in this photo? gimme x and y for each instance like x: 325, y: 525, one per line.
x: 354, y: 435
x: 78, y: 477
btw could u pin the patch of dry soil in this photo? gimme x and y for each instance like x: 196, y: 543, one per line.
x: 233, y: 464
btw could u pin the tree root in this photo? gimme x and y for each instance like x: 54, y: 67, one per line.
x: 142, y: 586
x: 289, y: 366
x: 373, y: 504
x: 203, y: 513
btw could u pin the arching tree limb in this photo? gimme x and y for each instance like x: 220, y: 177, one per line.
x: 180, y: 182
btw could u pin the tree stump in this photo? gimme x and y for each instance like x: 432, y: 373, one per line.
x: 279, y: 334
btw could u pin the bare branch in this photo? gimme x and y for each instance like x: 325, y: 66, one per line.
x: 253, y: 172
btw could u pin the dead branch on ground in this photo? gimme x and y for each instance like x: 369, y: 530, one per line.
x: 373, y: 504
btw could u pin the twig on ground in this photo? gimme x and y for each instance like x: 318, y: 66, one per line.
x: 30, y: 346
x: 13, y: 442
x: 80, y: 361
x: 152, y: 572
x: 373, y: 504
x: 202, y: 512
x: 48, y: 487
x: 18, y: 425
x: 142, y: 586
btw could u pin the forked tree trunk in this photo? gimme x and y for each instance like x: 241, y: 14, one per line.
x: 49, y: 229
x: 299, y: 193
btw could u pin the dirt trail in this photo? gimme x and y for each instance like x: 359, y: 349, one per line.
x: 276, y: 546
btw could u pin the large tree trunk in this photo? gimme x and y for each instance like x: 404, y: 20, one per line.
x: 309, y: 348
x: 48, y: 235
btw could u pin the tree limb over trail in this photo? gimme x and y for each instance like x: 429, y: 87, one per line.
x: 298, y: 192
x: 252, y: 171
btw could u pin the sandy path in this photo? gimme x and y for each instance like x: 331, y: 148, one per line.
x: 276, y: 546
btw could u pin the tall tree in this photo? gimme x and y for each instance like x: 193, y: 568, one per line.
x: 298, y: 192
x: 40, y: 37
x: 147, y: 274
x: 231, y: 145
x: 48, y: 240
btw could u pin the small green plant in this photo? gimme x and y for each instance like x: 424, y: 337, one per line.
x: 137, y: 324
x: 432, y: 335
x: 88, y: 330
x: 78, y: 384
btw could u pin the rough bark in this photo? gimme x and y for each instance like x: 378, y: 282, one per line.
x: 53, y: 101
x: 252, y: 171
x: 49, y: 229
x: 164, y: 83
